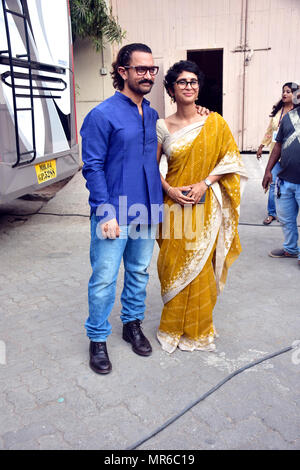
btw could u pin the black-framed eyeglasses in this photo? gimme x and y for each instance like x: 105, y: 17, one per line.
x: 182, y: 84
x: 142, y: 69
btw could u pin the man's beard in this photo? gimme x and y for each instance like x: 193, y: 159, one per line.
x: 133, y: 87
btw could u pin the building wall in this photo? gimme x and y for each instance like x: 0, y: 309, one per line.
x: 91, y: 86
x: 252, y: 80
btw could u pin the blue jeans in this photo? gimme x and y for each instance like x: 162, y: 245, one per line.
x: 287, y: 207
x: 271, y: 199
x: 106, y: 256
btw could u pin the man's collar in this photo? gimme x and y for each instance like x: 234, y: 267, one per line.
x: 126, y: 98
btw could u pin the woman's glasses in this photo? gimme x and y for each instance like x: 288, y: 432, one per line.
x: 142, y: 70
x: 182, y: 84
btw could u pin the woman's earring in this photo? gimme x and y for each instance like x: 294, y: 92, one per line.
x: 171, y: 96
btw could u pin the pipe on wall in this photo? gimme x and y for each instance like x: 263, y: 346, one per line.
x: 245, y: 6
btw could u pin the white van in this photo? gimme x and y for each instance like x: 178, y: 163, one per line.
x: 38, y: 135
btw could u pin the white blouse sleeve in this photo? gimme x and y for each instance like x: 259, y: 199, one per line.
x: 160, y: 131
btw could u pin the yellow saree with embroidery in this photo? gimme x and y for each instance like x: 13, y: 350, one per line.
x: 198, y: 243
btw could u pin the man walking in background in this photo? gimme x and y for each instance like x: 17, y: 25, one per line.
x: 287, y: 148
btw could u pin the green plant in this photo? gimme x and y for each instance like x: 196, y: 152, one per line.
x: 94, y: 20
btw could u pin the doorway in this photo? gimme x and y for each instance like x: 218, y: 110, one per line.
x: 211, y: 63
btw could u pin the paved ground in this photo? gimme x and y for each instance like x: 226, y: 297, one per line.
x: 50, y: 399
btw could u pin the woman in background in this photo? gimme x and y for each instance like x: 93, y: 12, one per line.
x: 279, y: 110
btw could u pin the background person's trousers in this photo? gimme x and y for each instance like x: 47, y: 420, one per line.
x: 106, y: 256
x: 287, y: 207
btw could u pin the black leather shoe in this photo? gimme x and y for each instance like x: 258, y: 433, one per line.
x: 99, y: 360
x: 132, y: 333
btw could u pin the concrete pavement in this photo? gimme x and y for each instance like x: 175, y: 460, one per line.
x: 50, y: 399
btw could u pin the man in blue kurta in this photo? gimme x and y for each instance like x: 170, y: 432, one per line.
x: 119, y: 153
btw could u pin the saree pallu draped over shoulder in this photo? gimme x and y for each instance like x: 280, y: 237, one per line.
x: 199, y: 243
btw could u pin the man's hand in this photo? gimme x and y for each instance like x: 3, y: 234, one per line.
x: 202, y: 111
x: 267, y: 180
x: 274, y: 157
x: 110, y: 229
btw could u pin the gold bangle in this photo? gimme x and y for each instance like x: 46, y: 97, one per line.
x: 170, y: 187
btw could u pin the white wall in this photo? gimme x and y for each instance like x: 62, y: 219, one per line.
x: 171, y: 27
x: 91, y: 86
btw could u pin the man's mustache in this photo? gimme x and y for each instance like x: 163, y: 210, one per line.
x: 146, y: 81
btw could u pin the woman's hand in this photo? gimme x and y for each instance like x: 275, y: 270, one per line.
x: 197, y: 191
x: 176, y: 195
x: 259, y: 152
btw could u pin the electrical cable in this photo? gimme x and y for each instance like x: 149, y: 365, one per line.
x: 44, y: 213
x: 60, y: 215
x: 85, y: 215
x: 205, y: 395
x: 261, y: 225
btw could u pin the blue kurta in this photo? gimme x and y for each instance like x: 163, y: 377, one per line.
x: 119, y: 149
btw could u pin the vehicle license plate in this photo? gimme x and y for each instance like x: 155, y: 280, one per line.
x: 45, y: 171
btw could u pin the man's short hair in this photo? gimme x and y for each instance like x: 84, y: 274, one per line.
x: 123, y: 59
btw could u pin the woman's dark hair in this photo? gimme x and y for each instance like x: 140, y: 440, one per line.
x: 293, y: 87
x: 123, y: 59
x: 176, y: 69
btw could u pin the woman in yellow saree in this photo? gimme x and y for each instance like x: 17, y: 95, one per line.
x: 198, y: 241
